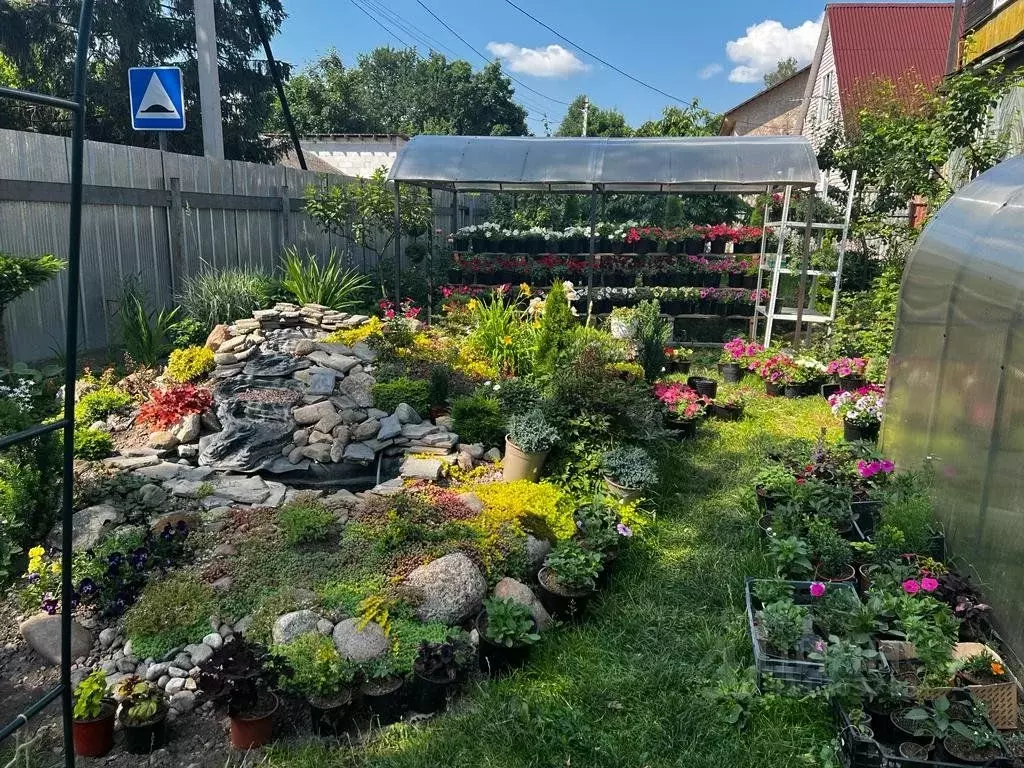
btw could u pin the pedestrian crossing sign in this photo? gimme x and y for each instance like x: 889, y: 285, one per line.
x: 157, y: 98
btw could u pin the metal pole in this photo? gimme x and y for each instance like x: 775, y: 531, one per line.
x: 761, y: 260
x: 430, y: 259
x: 162, y: 140
x: 275, y: 73
x: 398, y: 246
x: 209, y: 79
x: 594, y: 202
x: 954, y: 37
x: 586, y: 115
x: 801, y: 291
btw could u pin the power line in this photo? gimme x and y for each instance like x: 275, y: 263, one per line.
x: 431, y: 43
x: 487, y: 59
x: 380, y: 24
x: 594, y: 56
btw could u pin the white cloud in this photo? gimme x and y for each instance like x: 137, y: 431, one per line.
x: 549, y: 61
x: 768, y: 42
x: 710, y: 71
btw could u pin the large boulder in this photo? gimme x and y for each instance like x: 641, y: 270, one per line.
x: 295, y: 624
x: 357, y: 644
x: 450, y: 589
x: 42, y: 633
x: 515, y: 590
x: 89, y: 527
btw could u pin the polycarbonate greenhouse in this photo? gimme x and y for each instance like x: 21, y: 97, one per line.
x: 956, y: 379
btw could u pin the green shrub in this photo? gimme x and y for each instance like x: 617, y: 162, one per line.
x: 518, y: 395
x: 388, y: 395
x: 912, y: 516
x: 531, y: 432
x: 187, y: 332
x: 93, y: 444
x: 630, y: 467
x: 313, y: 667
x: 190, y: 364
x: 144, y: 333
x: 477, y: 418
x: 100, y: 403
x: 440, y: 385
x: 171, y: 612
x: 304, y: 520
x: 555, y: 331
x: 331, y: 285
x: 652, y: 333
x: 224, y: 296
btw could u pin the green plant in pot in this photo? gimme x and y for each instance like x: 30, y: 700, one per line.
x: 383, y: 690
x: 310, y: 666
x: 973, y: 742
x: 143, y: 713
x: 782, y: 626
x: 600, y: 530
x: 507, y: 631
x: 530, y: 437
x: 94, y: 711
x: 238, y: 678
x: 437, y: 669
x: 628, y: 472
x: 791, y: 557
x: 855, y: 675
x: 833, y: 555
x: 569, y: 578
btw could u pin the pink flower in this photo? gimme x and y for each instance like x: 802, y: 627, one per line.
x: 819, y: 646
x: 887, y: 465
x: 624, y: 530
x: 817, y: 589
x: 911, y: 587
x: 929, y: 584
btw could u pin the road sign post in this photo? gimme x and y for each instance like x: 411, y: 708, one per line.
x: 157, y: 98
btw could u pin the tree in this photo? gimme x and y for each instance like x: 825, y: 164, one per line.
x: 37, y: 45
x: 692, y: 120
x: 18, y: 276
x: 600, y: 122
x: 397, y: 91
x: 784, y: 70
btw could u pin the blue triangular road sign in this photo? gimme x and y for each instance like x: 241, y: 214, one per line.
x: 157, y: 98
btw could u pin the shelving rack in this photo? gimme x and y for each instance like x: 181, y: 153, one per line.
x: 770, y: 310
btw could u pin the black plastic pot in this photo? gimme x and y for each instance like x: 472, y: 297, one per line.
x: 731, y: 372
x: 564, y: 604
x: 330, y: 718
x: 852, y: 383
x: 727, y: 412
x: 866, y: 514
x: 496, y: 660
x: 827, y: 390
x: 693, y: 246
x: 143, y: 739
x: 773, y: 390
x: 703, y: 386
x: 794, y: 391
x: 718, y: 246
x: 428, y: 696
x: 854, y: 432
x: 678, y: 366
x: 684, y: 429
x: 385, y: 699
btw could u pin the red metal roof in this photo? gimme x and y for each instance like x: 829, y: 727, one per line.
x: 905, y: 43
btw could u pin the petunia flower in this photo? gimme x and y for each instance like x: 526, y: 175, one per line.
x: 929, y: 584
x: 817, y: 589
x: 911, y: 587
x: 624, y: 530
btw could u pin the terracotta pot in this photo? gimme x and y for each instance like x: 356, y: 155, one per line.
x: 850, y: 575
x: 251, y: 732
x: 520, y: 465
x: 94, y: 738
x: 621, y: 492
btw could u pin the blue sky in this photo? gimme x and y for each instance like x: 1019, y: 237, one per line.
x: 716, y: 51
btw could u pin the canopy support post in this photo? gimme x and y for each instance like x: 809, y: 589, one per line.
x: 595, y: 197
x: 398, y: 246
x: 805, y: 258
x: 430, y: 258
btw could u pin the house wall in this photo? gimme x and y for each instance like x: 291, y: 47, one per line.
x: 774, y: 113
x: 355, y: 155
x: 823, y: 107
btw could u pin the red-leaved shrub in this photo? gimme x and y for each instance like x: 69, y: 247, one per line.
x: 167, y: 406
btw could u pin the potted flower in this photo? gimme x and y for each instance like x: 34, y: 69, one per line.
x: 622, y: 322
x: 600, y: 530
x: 736, y: 358
x: 383, y: 691
x: 730, y: 407
x: 530, y: 437
x: 311, y: 667
x: 861, y: 412
x: 776, y: 370
x: 849, y: 371
x: 568, y: 579
x: 805, y: 377
x: 507, y: 631
x: 686, y: 412
x: 703, y: 385
x: 143, y: 713
x: 94, y: 711
x: 628, y: 472
x: 678, y: 359
x: 989, y: 680
x: 833, y: 555
x: 237, y: 678
x: 437, y: 669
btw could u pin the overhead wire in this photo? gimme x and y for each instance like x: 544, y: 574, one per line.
x: 429, y: 42
x: 380, y: 24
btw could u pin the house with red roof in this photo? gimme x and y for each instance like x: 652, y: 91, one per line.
x: 865, y: 45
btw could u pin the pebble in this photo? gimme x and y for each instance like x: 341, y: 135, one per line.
x: 182, y: 660
x: 215, y: 639
x: 156, y: 671
x: 163, y: 681
x: 174, y: 685
x: 177, y: 671
x: 183, y: 701
x: 126, y: 666
x: 107, y: 637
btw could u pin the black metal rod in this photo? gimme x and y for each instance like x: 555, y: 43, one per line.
x: 39, y: 98
x: 31, y: 711
x: 398, y: 246
x: 275, y: 74
x: 27, y: 434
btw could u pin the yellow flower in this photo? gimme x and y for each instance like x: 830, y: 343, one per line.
x: 36, y: 552
x: 524, y: 288
x: 507, y: 340
x: 473, y: 304
x: 54, y: 567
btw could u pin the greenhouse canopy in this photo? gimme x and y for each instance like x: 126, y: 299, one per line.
x: 678, y: 165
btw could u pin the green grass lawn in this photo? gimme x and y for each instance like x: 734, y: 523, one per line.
x: 630, y: 687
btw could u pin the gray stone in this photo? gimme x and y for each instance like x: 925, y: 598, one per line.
x: 157, y: 670
x: 341, y: 363
x: 364, y: 352
x: 424, y: 469
x: 390, y: 427
x: 126, y: 666
x: 352, y: 416
x: 223, y: 584
x: 165, y: 470
x: 242, y: 625
x: 465, y: 461
x: 316, y: 436
x: 225, y: 358
x: 244, y: 490
x: 338, y: 450
x: 277, y: 492
x: 342, y: 432
x: 152, y: 496
x: 183, y: 701
x: 320, y: 452
x: 236, y: 342
x: 536, y: 551
x: 273, y: 366
x: 200, y: 653
x: 209, y: 421
x: 358, y: 386
x: 177, y: 671
x: 515, y: 590
x: 174, y: 685
x: 493, y: 455
x: 366, y: 431
x: 131, y: 462
x: 360, y: 645
x: 472, y: 501
x: 342, y: 498
x: 407, y: 414
x: 322, y: 382
x: 42, y: 634
x: 328, y: 423
x: 311, y: 414
x: 89, y: 526
x: 303, y: 347
x: 215, y: 639
x: 475, y: 450
x: 107, y: 637
x: 301, y: 437
x: 163, y: 440
x: 375, y: 413
x: 324, y: 627
x: 188, y: 452
x: 188, y: 429
x: 293, y: 625
x: 450, y: 589
x: 252, y: 436
x: 296, y: 454
x: 419, y: 431
x: 359, y: 452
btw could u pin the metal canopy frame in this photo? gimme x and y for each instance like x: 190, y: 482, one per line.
x: 66, y: 424
x: 598, y: 166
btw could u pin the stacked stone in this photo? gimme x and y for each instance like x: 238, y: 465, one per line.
x: 287, y: 315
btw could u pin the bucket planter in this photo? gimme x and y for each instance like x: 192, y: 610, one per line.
x: 384, y: 699
x: 773, y: 389
x: 727, y: 412
x: 855, y: 432
x: 684, y: 429
x: 847, y: 576
x: 703, y: 386
x: 731, y: 372
x: 94, y: 737
x: 255, y: 728
x: 561, y: 602
x: 866, y: 514
x: 329, y: 717
x: 143, y: 738
x: 497, y: 659
x: 717, y: 246
x: 678, y: 366
x: 827, y: 390
x: 517, y: 464
x: 428, y: 696
x: 795, y: 390
x: 628, y: 471
x: 530, y: 437
x: 621, y: 491
x: 852, y: 383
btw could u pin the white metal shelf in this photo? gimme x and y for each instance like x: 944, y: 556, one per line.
x: 789, y: 313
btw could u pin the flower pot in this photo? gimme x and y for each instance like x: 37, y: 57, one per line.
x: 794, y: 391
x: 684, y: 429
x: 703, y: 386
x: 747, y: 246
x: 330, y: 717
x: 731, y: 372
x: 852, y: 383
x: 255, y: 729
x: 621, y: 491
x: 963, y: 751
x: 827, y: 390
x: 909, y: 730
x: 727, y: 412
x: 94, y: 738
x: 773, y: 389
x: 520, y: 465
x: 678, y: 366
x: 497, y: 659
x: 561, y: 602
x: 693, y: 246
x: 385, y: 699
x: 854, y: 432
x: 143, y: 738
x: 866, y: 513
x: 718, y: 246
x: 735, y: 280
x: 427, y: 696
x: 912, y: 750
x: 847, y: 576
